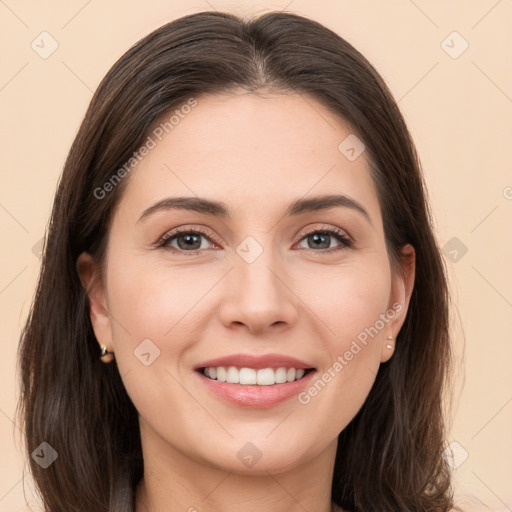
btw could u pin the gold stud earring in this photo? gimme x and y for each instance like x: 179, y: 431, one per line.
x: 389, y: 344
x: 106, y: 356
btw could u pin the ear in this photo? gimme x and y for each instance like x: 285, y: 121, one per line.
x: 401, y: 291
x: 90, y: 277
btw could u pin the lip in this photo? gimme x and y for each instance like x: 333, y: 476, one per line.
x: 256, y: 362
x: 253, y: 396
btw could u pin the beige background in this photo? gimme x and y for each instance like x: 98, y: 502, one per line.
x: 459, y: 111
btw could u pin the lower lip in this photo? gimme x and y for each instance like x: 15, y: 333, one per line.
x: 259, y: 397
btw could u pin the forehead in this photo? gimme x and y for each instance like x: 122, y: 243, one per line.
x: 250, y: 151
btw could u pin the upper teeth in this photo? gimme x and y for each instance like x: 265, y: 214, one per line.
x: 262, y: 377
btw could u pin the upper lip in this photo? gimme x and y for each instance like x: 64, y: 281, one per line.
x: 256, y: 362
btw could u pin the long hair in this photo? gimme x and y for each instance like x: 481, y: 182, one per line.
x: 390, y: 456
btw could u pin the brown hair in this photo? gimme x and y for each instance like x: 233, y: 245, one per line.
x: 390, y: 456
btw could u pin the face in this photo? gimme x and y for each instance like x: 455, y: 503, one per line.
x: 182, y: 287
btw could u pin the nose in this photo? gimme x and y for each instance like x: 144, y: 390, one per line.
x: 258, y: 295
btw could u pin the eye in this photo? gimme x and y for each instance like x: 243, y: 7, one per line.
x: 188, y: 240
x: 321, y: 237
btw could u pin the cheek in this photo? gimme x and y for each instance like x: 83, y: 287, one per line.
x: 348, y: 299
x: 150, y: 302
x: 154, y: 313
x: 349, y: 306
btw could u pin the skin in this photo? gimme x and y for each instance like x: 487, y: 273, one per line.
x: 257, y: 154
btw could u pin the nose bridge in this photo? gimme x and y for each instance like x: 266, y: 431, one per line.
x: 257, y: 267
x: 258, y: 295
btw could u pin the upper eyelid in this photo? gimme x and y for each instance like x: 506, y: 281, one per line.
x: 178, y: 231
x: 205, y: 232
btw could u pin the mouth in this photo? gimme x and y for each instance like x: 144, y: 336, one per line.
x: 253, y: 388
x: 254, y: 377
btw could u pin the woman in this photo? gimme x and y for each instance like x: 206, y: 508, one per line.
x: 260, y: 370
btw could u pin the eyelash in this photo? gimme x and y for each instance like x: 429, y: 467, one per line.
x: 335, y: 232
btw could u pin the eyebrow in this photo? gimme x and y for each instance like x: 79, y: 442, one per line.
x: 221, y: 210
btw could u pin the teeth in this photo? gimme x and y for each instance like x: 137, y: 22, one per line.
x: 250, y: 376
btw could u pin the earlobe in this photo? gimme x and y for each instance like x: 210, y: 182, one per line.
x: 92, y: 283
x: 402, y: 288
x: 387, y: 350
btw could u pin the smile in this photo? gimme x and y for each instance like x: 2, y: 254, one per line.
x: 252, y: 376
x: 256, y: 396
